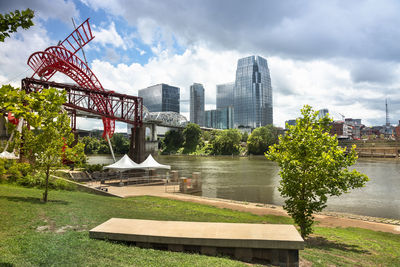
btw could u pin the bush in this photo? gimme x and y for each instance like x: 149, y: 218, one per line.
x: 18, y: 170
x: 38, y: 180
x: 93, y: 168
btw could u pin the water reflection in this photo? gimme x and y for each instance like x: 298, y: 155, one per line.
x: 256, y: 180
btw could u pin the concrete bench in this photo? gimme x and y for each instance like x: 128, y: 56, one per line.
x: 276, y: 244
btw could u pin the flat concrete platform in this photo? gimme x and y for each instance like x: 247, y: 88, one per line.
x: 276, y: 243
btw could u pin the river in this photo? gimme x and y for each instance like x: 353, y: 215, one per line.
x: 256, y: 179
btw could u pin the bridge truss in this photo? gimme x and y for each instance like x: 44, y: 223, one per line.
x: 124, y: 108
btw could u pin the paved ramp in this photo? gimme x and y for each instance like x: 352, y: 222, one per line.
x: 273, y: 243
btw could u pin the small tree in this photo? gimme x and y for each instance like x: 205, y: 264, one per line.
x: 10, y: 22
x: 313, y: 167
x: 172, y: 141
x: 47, y: 143
x: 226, y: 142
x: 191, y: 135
x: 261, y: 139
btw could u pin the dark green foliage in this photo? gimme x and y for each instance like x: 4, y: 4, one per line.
x: 261, y: 138
x: 93, y: 167
x: 245, y: 136
x: 98, y: 145
x: 313, y: 167
x: 172, y: 141
x: 191, y: 135
x: 225, y: 142
x: 10, y: 22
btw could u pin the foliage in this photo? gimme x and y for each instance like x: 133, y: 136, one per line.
x: 226, y: 142
x: 10, y: 22
x: 98, y: 145
x: 172, y: 141
x: 191, y: 136
x: 261, y: 138
x: 49, y: 139
x: 313, y: 167
x: 245, y: 136
x: 93, y: 167
x: 38, y: 180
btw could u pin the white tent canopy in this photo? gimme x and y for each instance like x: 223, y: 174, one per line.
x: 124, y: 164
x: 8, y: 155
x: 151, y: 163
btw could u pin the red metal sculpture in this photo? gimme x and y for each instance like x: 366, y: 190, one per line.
x: 62, y: 58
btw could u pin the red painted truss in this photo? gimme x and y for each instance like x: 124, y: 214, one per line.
x: 62, y: 58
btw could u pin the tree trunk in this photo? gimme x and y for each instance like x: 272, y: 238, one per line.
x: 47, y: 184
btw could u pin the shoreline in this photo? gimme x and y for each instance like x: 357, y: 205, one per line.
x: 324, y: 219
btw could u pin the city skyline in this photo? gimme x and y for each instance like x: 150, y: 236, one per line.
x: 318, y: 53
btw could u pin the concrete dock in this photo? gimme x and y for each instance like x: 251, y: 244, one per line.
x: 272, y: 243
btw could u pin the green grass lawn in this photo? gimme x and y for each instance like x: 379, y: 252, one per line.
x: 33, y: 233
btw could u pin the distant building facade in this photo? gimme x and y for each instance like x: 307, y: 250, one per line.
x: 225, y: 95
x: 252, y: 93
x: 221, y: 118
x: 197, y: 104
x: 161, y: 97
x: 322, y: 113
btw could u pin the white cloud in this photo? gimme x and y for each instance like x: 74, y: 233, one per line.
x: 14, y: 53
x: 108, y: 36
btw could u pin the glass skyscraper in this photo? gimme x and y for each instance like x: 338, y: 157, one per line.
x: 197, y: 104
x: 161, y: 97
x: 252, y: 93
x: 225, y: 95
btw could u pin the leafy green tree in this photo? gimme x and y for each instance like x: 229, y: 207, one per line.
x: 226, y: 142
x: 261, y: 138
x: 47, y: 142
x: 245, y: 137
x: 120, y: 143
x: 10, y: 22
x: 172, y: 141
x: 313, y: 167
x: 191, y: 136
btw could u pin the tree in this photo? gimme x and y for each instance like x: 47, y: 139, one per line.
x: 10, y: 22
x: 313, y: 167
x: 261, y: 138
x: 191, y: 136
x: 47, y: 142
x: 172, y: 141
x: 226, y: 142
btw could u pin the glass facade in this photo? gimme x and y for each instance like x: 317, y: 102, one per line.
x: 252, y: 93
x: 225, y: 95
x: 197, y: 104
x: 221, y: 118
x: 161, y: 97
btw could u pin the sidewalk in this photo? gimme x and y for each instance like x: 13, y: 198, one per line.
x: 328, y: 219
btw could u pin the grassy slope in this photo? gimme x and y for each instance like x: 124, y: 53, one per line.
x: 74, y: 213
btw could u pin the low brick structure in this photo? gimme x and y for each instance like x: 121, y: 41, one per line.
x: 276, y: 244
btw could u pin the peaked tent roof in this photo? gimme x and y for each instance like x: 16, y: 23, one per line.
x: 151, y: 163
x: 125, y: 163
x: 8, y: 155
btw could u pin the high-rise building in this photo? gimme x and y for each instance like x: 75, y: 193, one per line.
x: 225, y: 95
x: 253, y: 93
x: 161, y: 97
x: 322, y: 113
x: 197, y: 104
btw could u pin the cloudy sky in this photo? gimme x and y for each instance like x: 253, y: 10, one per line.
x: 340, y: 55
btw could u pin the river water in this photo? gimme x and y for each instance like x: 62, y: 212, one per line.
x: 256, y: 179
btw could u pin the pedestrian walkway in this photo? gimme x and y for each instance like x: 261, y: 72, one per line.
x: 329, y: 219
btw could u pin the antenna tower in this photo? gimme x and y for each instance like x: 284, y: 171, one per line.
x: 387, y: 114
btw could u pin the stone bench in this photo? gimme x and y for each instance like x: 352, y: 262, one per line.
x: 276, y: 244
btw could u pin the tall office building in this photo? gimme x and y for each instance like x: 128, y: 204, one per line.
x: 197, y: 104
x: 225, y: 95
x: 161, y: 97
x: 253, y: 93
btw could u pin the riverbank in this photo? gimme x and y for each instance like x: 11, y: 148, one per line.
x: 325, y: 219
